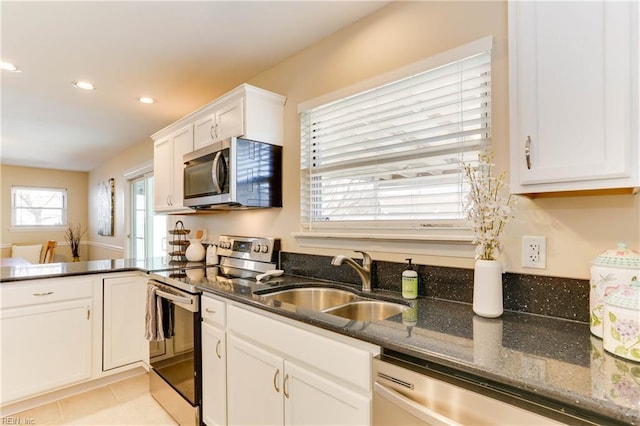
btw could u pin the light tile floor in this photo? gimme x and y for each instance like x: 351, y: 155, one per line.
x: 123, y: 403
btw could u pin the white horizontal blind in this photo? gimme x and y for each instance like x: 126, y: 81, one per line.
x: 35, y: 206
x: 394, y: 153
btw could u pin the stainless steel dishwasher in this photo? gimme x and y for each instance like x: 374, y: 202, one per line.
x: 405, y: 394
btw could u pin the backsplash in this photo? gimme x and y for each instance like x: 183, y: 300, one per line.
x: 565, y: 298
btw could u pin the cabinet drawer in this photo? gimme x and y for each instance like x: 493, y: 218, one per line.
x: 214, y: 311
x: 344, y: 362
x: 25, y: 293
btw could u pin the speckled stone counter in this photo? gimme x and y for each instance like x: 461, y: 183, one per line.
x: 554, y: 361
x: 53, y: 270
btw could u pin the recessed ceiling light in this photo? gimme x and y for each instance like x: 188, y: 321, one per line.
x: 146, y: 100
x: 83, y: 85
x: 8, y: 67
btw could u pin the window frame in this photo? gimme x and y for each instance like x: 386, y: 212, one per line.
x: 400, y: 232
x: 64, y: 209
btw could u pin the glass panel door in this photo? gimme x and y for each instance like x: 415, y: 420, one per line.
x: 148, y: 230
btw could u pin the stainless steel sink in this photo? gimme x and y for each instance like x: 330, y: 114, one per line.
x: 314, y: 298
x: 367, y: 310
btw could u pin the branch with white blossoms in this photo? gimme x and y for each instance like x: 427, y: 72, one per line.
x: 489, y: 206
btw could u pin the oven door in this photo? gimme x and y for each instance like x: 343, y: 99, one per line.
x: 175, y: 374
x: 206, y: 175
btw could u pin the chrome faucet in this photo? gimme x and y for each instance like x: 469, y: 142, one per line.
x: 363, y: 271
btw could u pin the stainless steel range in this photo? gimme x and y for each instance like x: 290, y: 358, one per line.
x: 175, y: 348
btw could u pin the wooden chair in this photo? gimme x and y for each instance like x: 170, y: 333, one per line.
x: 49, y: 252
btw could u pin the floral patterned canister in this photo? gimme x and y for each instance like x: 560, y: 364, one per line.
x: 609, y: 270
x: 621, y: 331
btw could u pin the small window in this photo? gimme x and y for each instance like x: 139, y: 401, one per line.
x: 38, y: 207
x: 391, y: 156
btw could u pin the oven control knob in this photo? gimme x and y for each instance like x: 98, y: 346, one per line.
x: 256, y: 248
x: 264, y: 248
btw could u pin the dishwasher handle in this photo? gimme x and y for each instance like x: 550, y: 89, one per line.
x: 417, y: 410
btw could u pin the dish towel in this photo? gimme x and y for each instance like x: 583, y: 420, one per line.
x: 167, y: 319
x: 153, y: 316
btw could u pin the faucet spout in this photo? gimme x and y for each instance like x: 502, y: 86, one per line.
x: 364, y: 271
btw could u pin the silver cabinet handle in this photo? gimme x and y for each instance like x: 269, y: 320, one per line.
x: 212, y: 131
x: 527, y: 152
x: 210, y: 311
x: 275, y: 380
x: 218, y: 349
x: 43, y: 294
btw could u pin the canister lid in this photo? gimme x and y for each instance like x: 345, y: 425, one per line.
x: 626, y: 296
x: 621, y: 257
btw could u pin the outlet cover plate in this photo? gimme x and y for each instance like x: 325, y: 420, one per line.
x: 534, y: 252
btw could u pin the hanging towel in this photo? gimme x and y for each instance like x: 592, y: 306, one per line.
x: 153, y: 316
x: 167, y: 319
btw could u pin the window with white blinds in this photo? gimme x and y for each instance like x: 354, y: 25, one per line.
x: 392, y: 156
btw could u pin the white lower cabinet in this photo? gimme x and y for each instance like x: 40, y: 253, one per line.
x: 281, y: 392
x: 47, y: 338
x: 288, y: 375
x: 124, y: 321
x: 214, y: 376
x: 254, y: 388
x: 214, y: 361
x: 311, y: 399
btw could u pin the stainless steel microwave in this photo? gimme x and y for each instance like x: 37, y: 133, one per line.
x: 233, y: 173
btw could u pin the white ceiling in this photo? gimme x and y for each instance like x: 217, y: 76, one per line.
x: 181, y: 53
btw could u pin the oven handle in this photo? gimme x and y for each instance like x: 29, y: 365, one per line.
x: 174, y: 298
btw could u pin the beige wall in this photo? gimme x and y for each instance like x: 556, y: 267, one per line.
x: 76, y: 185
x: 577, y: 228
x: 114, y: 247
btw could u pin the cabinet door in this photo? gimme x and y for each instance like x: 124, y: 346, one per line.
x: 162, y: 174
x: 182, y: 144
x: 45, y: 347
x: 311, y: 399
x: 254, y: 390
x: 571, y: 97
x: 214, y: 376
x: 124, y: 322
x: 230, y: 120
x: 204, y: 131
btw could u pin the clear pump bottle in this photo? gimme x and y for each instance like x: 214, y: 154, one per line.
x: 409, y: 282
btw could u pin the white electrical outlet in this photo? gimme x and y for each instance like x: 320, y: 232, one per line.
x: 534, y: 252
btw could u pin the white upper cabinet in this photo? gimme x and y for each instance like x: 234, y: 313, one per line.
x: 225, y: 122
x: 167, y: 170
x: 573, y: 96
x: 246, y: 111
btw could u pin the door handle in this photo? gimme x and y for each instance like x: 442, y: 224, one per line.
x: 218, y: 349
x: 284, y: 386
x: 275, y: 380
x: 214, y: 173
x: 527, y: 152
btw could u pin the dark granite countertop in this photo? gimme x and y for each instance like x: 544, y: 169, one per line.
x: 555, y: 361
x: 54, y: 270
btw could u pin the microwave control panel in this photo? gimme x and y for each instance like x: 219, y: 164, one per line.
x: 260, y: 249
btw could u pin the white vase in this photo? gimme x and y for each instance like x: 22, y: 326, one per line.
x: 487, y: 288
x: 195, y: 252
